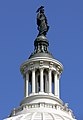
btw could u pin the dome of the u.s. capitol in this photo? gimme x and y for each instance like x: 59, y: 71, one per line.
x: 41, y: 74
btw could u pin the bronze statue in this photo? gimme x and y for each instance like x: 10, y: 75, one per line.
x: 42, y: 21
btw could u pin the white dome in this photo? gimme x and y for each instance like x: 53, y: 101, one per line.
x: 38, y: 116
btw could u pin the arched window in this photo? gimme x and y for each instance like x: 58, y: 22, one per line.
x: 45, y: 78
x: 37, y: 82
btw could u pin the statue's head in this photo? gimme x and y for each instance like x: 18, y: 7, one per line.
x: 41, y: 9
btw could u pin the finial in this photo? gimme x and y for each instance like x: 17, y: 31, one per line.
x: 42, y: 21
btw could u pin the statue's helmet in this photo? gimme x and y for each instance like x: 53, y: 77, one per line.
x: 41, y: 9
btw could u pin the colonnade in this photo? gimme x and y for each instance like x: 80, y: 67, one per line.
x: 49, y: 79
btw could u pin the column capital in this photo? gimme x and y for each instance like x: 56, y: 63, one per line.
x: 50, y: 69
x: 59, y: 70
x: 41, y: 68
x: 32, y: 68
x: 58, y: 74
x: 51, y: 64
x: 24, y: 70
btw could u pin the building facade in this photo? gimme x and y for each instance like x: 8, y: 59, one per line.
x: 41, y: 73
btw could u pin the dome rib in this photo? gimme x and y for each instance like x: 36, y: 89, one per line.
x: 57, y: 115
x: 33, y: 116
x: 43, y: 116
x: 52, y: 116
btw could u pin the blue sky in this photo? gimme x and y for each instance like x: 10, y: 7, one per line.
x: 18, y: 31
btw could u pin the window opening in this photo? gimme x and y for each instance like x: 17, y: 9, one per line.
x: 38, y: 83
x: 52, y: 83
x: 30, y: 82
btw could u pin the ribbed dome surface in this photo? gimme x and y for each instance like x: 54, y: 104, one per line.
x: 38, y: 116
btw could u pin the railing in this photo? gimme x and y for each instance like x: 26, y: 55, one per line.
x: 63, y: 108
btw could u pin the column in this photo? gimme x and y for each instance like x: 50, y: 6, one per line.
x: 58, y: 92
x: 50, y: 81
x: 26, y: 85
x: 36, y: 84
x: 33, y: 81
x: 56, y: 85
x: 41, y: 81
